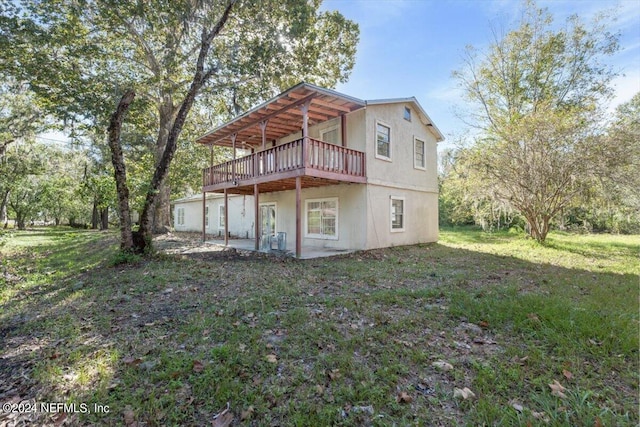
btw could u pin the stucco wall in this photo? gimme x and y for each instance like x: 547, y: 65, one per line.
x: 400, y: 170
x: 351, y: 224
x: 241, y: 216
x: 420, y: 217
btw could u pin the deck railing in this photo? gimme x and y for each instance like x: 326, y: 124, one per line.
x: 302, y: 153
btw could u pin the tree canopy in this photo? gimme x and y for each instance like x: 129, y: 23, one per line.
x: 537, y: 97
x: 79, y: 58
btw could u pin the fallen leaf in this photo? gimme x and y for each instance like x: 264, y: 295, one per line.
x: 54, y: 356
x: 483, y: 324
x: 59, y: 419
x: 272, y: 358
x: 334, y: 374
x: 132, y: 361
x: 598, y: 422
x: 595, y: 342
x: 223, y: 419
x: 534, y: 317
x: 247, y: 414
x: 403, y: 397
x: 557, y: 389
x: 442, y: 365
x: 464, y: 393
x: 198, y: 366
x: 129, y: 417
x: 567, y: 374
x: 518, y: 407
x: 319, y: 389
x: 541, y: 416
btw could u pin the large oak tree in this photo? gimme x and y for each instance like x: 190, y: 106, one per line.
x: 82, y: 56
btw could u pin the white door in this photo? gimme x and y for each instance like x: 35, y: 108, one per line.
x: 268, y: 219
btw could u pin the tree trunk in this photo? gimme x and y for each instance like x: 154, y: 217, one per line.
x: 104, y: 218
x: 161, y: 222
x: 21, y: 221
x: 3, y: 208
x: 94, y: 215
x: 120, y: 172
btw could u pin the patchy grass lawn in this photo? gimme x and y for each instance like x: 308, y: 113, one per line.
x: 399, y: 336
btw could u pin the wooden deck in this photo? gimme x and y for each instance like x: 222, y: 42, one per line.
x: 318, y: 163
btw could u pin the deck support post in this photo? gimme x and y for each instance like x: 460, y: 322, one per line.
x: 256, y: 195
x: 343, y: 129
x: 204, y: 219
x: 233, y: 165
x: 305, y: 131
x: 263, y: 131
x: 226, y: 217
x: 298, y: 217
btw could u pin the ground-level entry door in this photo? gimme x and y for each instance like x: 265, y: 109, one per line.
x: 268, y: 218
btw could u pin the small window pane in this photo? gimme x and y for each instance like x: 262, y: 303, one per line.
x: 407, y: 113
x: 397, y: 214
x: 383, y: 141
x: 419, y: 153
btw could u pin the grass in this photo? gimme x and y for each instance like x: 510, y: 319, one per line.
x: 346, y: 341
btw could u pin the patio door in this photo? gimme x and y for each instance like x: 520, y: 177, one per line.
x: 268, y: 218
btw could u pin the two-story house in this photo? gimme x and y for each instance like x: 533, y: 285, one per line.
x: 330, y: 170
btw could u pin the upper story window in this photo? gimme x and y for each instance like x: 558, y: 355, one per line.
x: 383, y: 141
x: 330, y: 135
x: 407, y: 113
x: 419, y: 154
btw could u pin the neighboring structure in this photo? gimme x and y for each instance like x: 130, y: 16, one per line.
x: 187, y: 215
x: 331, y: 171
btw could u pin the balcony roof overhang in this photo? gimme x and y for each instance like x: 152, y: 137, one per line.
x: 284, y: 115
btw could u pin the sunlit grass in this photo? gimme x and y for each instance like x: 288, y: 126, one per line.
x: 345, y: 332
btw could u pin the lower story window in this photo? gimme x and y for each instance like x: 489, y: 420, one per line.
x: 397, y: 214
x: 180, y: 216
x: 322, y: 218
x: 221, y: 216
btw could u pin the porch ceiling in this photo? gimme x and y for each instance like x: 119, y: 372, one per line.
x: 284, y: 116
x: 284, y: 184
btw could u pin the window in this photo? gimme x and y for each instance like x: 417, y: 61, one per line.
x: 206, y: 216
x: 330, y: 135
x: 179, y: 216
x: 418, y: 154
x: 221, y: 216
x: 322, y: 218
x: 397, y: 213
x: 383, y: 141
x: 407, y: 113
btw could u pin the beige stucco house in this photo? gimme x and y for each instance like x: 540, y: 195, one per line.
x: 330, y: 170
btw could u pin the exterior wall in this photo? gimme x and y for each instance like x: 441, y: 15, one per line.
x: 420, y: 217
x: 400, y: 171
x: 351, y: 206
x: 241, y: 216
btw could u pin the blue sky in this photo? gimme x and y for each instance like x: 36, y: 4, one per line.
x: 410, y: 47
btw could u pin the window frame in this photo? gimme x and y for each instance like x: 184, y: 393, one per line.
x: 328, y: 129
x: 407, y: 113
x: 221, y: 217
x: 306, y: 219
x: 403, y: 214
x: 378, y: 155
x: 180, y: 216
x: 424, y: 154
